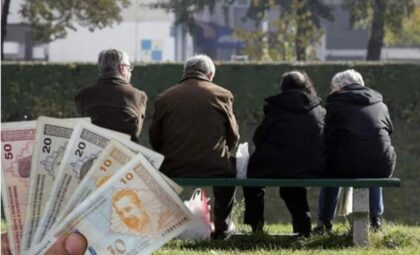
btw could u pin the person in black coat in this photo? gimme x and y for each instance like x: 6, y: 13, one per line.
x: 289, y: 143
x: 357, y: 132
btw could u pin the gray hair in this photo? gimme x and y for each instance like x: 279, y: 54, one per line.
x: 347, y: 77
x: 109, y: 60
x: 199, y: 63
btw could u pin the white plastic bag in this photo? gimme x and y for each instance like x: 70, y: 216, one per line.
x: 345, y: 201
x: 242, y: 158
x: 198, y: 205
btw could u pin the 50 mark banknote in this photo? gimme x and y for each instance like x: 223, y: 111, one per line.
x: 17, y: 140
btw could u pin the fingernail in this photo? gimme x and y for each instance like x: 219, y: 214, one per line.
x: 75, y: 244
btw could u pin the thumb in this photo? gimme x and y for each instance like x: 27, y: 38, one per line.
x: 75, y: 244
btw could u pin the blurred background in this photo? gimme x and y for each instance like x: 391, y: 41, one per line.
x: 49, y: 50
x: 226, y: 30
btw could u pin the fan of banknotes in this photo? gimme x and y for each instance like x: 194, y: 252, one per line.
x: 67, y: 175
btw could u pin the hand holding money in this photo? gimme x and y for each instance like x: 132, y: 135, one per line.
x: 5, y: 246
x: 67, y: 176
x: 73, y: 244
x: 136, y: 209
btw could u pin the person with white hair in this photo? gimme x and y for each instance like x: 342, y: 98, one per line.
x: 358, y: 143
x: 195, y: 129
x: 112, y: 102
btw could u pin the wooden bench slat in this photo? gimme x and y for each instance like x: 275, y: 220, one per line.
x: 356, y: 183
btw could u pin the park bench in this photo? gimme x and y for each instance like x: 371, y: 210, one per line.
x: 360, y: 215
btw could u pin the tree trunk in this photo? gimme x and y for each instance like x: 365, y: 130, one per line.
x: 300, y: 48
x: 4, y: 14
x: 226, y: 17
x: 376, y: 39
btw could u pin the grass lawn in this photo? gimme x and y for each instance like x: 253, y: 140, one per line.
x: 395, y: 239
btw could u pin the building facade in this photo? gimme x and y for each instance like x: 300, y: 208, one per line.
x: 151, y: 35
x: 147, y: 35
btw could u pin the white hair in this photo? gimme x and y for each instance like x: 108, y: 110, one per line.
x: 347, y: 77
x: 109, y: 60
x: 199, y: 63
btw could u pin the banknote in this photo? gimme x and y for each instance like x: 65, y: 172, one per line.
x: 134, y: 212
x: 113, y: 158
x: 156, y: 159
x: 51, y: 139
x: 86, y: 143
x: 17, y: 139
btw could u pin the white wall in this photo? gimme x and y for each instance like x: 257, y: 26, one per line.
x: 139, y: 23
x: 84, y: 46
x: 400, y: 54
x: 14, y: 17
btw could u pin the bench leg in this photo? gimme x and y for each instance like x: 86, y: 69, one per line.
x: 360, y: 216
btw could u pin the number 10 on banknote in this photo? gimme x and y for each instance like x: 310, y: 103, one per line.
x: 135, y: 212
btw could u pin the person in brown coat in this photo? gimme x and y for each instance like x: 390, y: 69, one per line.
x: 112, y: 102
x: 195, y: 129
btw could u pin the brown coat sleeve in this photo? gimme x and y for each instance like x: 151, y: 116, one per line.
x: 232, y: 129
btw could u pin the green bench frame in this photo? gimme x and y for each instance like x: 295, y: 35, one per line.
x: 360, y: 215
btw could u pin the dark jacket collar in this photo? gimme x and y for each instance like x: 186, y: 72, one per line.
x: 294, y: 101
x: 113, y: 78
x: 355, y: 94
x: 194, y: 75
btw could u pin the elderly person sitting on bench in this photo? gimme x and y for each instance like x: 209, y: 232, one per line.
x: 195, y: 128
x: 358, y: 143
x: 289, y: 144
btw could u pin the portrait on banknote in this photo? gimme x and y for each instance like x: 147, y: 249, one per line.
x: 131, y: 215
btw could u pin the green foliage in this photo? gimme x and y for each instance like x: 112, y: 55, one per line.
x: 379, y: 15
x: 316, y: 8
x: 408, y: 34
x: 361, y: 12
x: 297, y: 26
x: 294, y: 38
x: 51, y: 19
x: 31, y: 90
x: 238, y: 211
x: 184, y: 10
x: 297, y: 29
x: 306, y: 33
x: 3, y: 227
x: 397, y: 239
x: 254, y: 48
